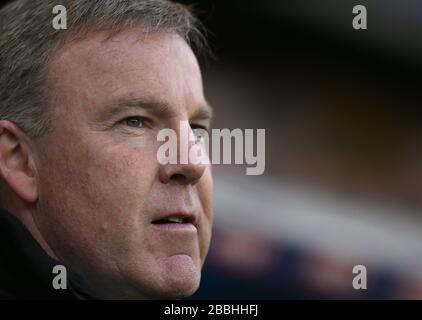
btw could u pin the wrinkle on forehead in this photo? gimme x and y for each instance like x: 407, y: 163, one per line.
x: 160, y: 65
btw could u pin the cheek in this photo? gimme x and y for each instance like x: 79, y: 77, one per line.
x: 110, y: 174
x: 205, y: 194
x: 205, y: 189
x: 94, y: 187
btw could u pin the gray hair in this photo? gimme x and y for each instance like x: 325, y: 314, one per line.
x: 28, y: 42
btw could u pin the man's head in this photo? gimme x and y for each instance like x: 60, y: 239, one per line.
x: 80, y: 110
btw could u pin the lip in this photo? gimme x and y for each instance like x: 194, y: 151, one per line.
x: 175, y: 227
x: 189, y: 221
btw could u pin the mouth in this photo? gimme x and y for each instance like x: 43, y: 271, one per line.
x: 176, y: 221
x: 171, y: 220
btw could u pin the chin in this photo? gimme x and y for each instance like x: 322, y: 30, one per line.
x: 174, y: 281
x: 178, y: 285
x: 180, y: 276
x: 172, y: 289
x: 182, y: 288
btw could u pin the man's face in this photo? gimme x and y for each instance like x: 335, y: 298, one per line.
x: 102, y: 191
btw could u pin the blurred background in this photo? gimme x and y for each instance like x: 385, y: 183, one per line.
x: 343, y: 179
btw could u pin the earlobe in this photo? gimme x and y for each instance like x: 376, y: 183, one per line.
x: 16, y: 162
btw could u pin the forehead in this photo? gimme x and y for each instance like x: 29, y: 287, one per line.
x: 98, y: 70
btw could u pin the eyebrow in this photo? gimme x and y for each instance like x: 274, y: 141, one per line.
x: 159, y: 108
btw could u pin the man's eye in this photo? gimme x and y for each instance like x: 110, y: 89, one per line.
x: 134, y: 122
x: 197, y: 128
x: 198, y: 132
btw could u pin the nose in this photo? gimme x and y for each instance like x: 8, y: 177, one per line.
x: 183, y: 173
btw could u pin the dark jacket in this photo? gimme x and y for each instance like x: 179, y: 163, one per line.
x: 26, y: 271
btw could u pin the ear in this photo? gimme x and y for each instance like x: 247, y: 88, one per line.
x: 17, y: 167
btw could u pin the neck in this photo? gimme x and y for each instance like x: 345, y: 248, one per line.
x: 26, y: 215
x: 32, y: 227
